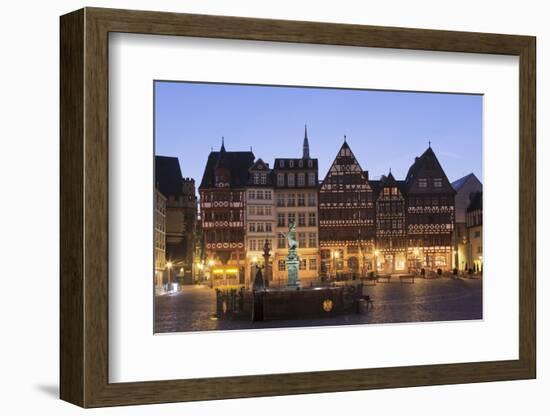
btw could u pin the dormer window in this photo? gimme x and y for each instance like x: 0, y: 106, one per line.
x: 310, y: 163
x: 281, y: 163
x: 423, y: 183
x: 256, y: 178
x: 291, y: 163
x: 438, y: 183
x: 263, y: 178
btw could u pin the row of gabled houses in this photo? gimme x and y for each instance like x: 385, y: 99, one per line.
x: 347, y: 223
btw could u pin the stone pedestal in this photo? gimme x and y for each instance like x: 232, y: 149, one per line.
x: 293, y: 268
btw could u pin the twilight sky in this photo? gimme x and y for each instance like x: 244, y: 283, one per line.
x: 384, y: 129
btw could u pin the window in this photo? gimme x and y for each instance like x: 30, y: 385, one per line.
x: 280, y: 219
x: 301, y: 179
x: 260, y: 210
x: 260, y: 227
x: 438, y: 182
x: 252, y: 194
x: 310, y: 163
x: 290, y: 179
x: 252, y: 245
x: 301, y: 163
x: 311, y: 178
x: 281, y: 241
x: 311, y: 200
x: 252, y: 227
x: 267, y: 227
x: 267, y: 210
x: 386, y: 191
x: 291, y: 163
x: 252, y: 210
x: 267, y: 195
x: 303, y: 264
x: 312, y: 240
x: 312, y: 221
x: 291, y: 217
x: 394, y: 190
x: 280, y: 179
x: 280, y: 200
x: 291, y: 201
x: 281, y: 265
x: 302, y: 239
x: 263, y: 178
x: 312, y: 264
x: 259, y: 194
x: 281, y: 163
x: 301, y: 200
x: 301, y: 219
x: 256, y: 178
x: 422, y: 183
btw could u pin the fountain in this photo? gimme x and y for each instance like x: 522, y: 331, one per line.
x: 292, y: 259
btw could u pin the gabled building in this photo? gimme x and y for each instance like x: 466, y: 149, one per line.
x: 222, y: 202
x: 430, y: 213
x: 295, y: 186
x: 160, y: 242
x: 474, y: 227
x: 466, y: 188
x: 391, y: 226
x: 181, y: 215
x: 346, y: 217
x: 260, y: 218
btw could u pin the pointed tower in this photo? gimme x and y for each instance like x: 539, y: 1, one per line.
x: 305, y: 153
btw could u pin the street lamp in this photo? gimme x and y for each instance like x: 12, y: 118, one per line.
x: 169, y: 267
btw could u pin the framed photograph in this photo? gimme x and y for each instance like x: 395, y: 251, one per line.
x: 255, y: 207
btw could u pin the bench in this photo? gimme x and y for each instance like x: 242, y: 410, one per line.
x: 406, y: 278
x: 385, y: 277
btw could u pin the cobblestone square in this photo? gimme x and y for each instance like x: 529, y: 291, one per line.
x: 427, y: 300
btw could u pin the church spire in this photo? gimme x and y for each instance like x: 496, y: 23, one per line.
x: 305, y: 153
x: 222, y: 149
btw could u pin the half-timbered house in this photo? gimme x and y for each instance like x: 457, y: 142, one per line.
x: 222, y: 202
x: 346, y: 217
x: 430, y: 214
x: 391, y: 226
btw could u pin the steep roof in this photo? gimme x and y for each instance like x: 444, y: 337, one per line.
x: 420, y: 163
x: 238, y: 164
x: 378, y: 185
x: 476, y: 203
x: 168, y: 178
x: 459, y: 183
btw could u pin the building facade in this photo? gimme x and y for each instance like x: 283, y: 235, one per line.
x: 222, y: 202
x: 465, y: 187
x: 346, y: 218
x: 474, y: 226
x: 391, y: 226
x: 181, y: 216
x: 295, y: 187
x: 160, y: 241
x: 260, y: 218
x: 430, y: 214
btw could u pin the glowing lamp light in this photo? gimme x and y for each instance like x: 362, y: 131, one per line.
x: 169, y: 264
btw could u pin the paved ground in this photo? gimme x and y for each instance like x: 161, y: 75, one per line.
x: 442, y: 299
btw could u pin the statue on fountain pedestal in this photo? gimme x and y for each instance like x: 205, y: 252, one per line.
x: 292, y: 260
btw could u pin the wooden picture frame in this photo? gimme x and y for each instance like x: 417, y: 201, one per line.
x: 84, y: 207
